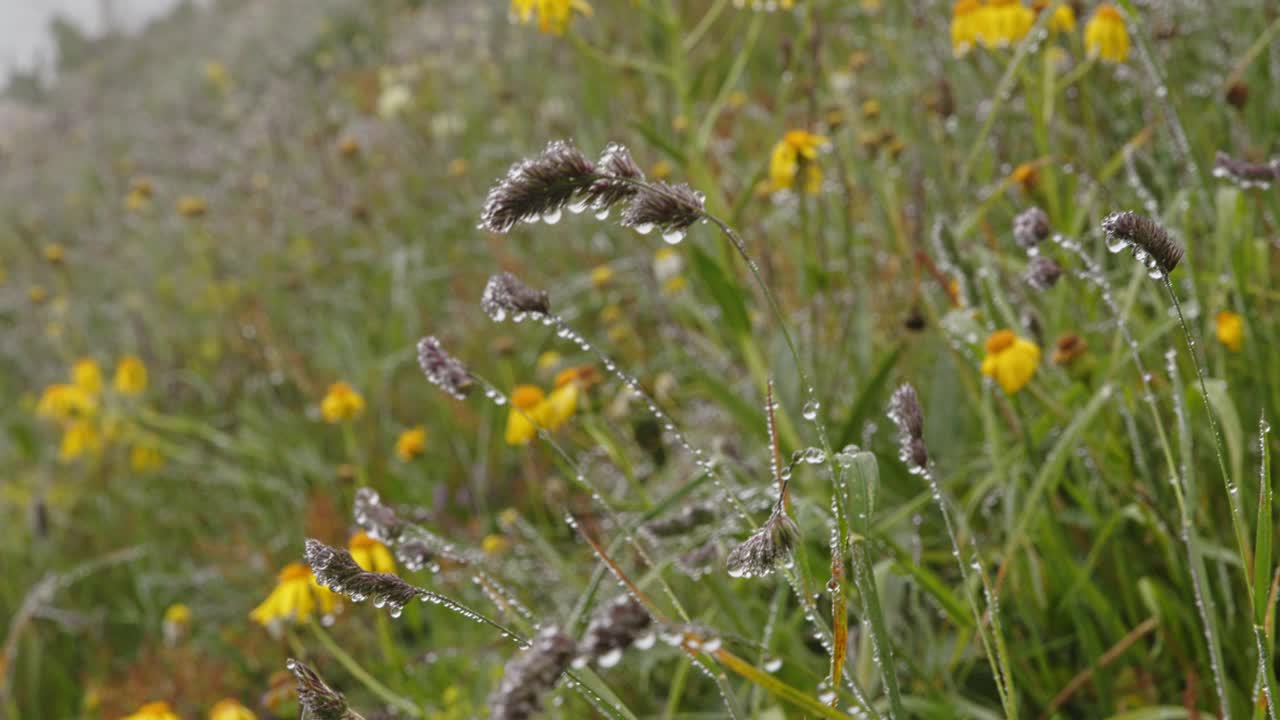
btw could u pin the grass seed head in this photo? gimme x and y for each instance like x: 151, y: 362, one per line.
x: 318, y: 700
x: 670, y: 208
x: 335, y: 569
x: 767, y: 548
x: 1043, y: 273
x: 1151, y: 243
x: 537, y: 187
x: 1031, y: 227
x: 442, y: 369
x: 530, y: 674
x: 613, y: 628
x: 906, y: 413
x: 505, y: 295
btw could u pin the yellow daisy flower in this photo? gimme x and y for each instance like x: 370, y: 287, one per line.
x: 177, y: 620
x: 411, y: 443
x: 1105, y: 36
x: 131, y: 376
x: 87, y: 376
x: 191, y: 206
x: 601, y: 275
x: 340, y: 403
x: 553, y: 15
x: 1005, y: 22
x: 144, y: 458
x: 54, y: 254
x: 79, y: 439
x: 296, y: 597
x: 494, y: 544
x: 37, y: 294
x: 1011, y: 360
x: 1230, y: 330
x: 525, y: 401
x: 65, y: 402
x: 230, y: 709
x: 1063, y: 18
x: 154, y: 711
x: 795, y: 153
x: 370, y: 554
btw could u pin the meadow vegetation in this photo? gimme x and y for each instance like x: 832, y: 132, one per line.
x: 652, y: 359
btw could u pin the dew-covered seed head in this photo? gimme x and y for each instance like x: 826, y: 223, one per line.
x: 442, y: 369
x: 1148, y: 239
x: 906, y: 413
x: 669, y: 208
x: 538, y: 187
x: 766, y: 548
x: 506, y: 295
x: 1043, y: 273
x: 318, y: 700
x: 1030, y: 228
x: 530, y: 674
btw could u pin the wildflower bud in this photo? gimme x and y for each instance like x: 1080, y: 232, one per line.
x: 1043, y: 273
x: 442, y: 369
x: 767, y: 548
x: 1030, y: 227
x: 530, y: 674
x: 1152, y: 245
x: 1069, y: 348
x: 318, y: 700
x: 538, y: 187
x: 670, y: 208
x: 905, y: 412
x: 1244, y: 173
x: 1237, y: 95
x: 505, y: 294
x: 619, y: 175
x: 613, y: 629
x: 335, y: 569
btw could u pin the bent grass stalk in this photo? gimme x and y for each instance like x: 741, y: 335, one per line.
x: 1205, y: 607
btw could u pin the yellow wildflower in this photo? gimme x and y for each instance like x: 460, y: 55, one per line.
x: 1011, y: 360
x: 525, y: 401
x: 601, y: 275
x: 87, y: 376
x: 79, y: 439
x: 63, y: 402
x: 675, y: 285
x: 660, y: 170
x: 737, y: 99
x: 370, y: 554
x: 796, y: 152
x: 1005, y: 22
x: 1026, y: 175
x: 494, y: 544
x: 341, y: 403
x: 191, y: 206
x: 348, y: 146
x: 154, y: 711
x: 217, y: 76
x: 871, y: 109
x: 411, y: 443
x: 1105, y: 36
x: 966, y: 26
x: 230, y: 709
x: 1230, y: 329
x: 1063, y: 18
x: 553, y: 15
x: 37, y: 294
x: 54, y: 253
x: 458, y: 167
x: 296, y: 597
x: 135, y: 201
x: 548, y: 360
x: 131, y: 376
x: 142, y: 186
x: 610, y: 313
x: 559, y: 406
x: 177, y: 620
x: 144, y: 458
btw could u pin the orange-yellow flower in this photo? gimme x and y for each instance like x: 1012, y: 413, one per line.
x: 796, y: 153
x: 553, y: 15
x: 1230, y: 330
x: 230, y: 709
x: 177, y: 621
x: 79, y: 439
x: 411, y: 443
x: 154, y: 711
x: 1063, y: 18
x: 87, y: 376
x: 191, y: 206
x: 1005, y: 22
x: 1106, y: 36
x: 131, y: 376
x: 370, y: 554
x: 525, y: 401
x: 54, y: 253
x: 296, y: 597
x: 966, y: 26
x: 1011, y: 360
x: 65, y: 402
x: 144, y: 458
x: 341, y: 403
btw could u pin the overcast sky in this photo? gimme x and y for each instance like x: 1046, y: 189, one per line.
x: 24, y: 24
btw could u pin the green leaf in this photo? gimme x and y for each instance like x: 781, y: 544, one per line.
x: 1232, y: 433
x: 868, y: 399
x: 727, y: 294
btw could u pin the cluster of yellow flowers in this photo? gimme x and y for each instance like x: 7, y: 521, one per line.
x: 1001, y: 23
x: 553, y: 15
x: 76, y: 408
x: 225, y: 709
x: 531, y: 408
x: 796, y: 155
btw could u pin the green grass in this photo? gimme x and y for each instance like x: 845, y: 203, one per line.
x: 1102, y: 567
